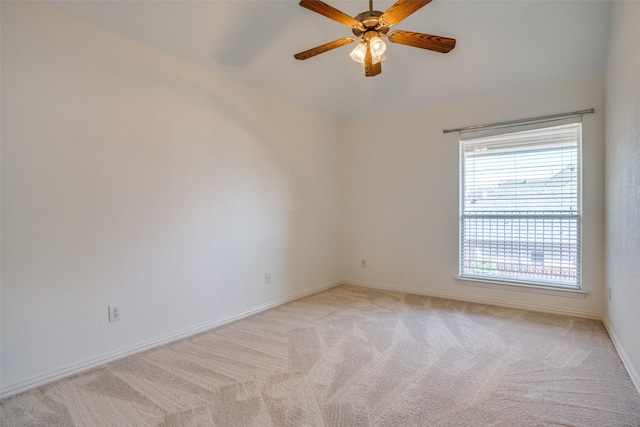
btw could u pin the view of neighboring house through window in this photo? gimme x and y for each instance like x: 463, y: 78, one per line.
x: 520, y: 208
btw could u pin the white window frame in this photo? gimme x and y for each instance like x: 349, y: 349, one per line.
x: 492, y: 280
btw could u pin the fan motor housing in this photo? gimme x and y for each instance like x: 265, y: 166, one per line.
x: 370, y: 19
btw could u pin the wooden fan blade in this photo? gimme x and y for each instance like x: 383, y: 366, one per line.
x: 331, y: 13
x: 400, y: 10
x: 323, y: 48
x: 424, y: 41
x: 371, y: 69
x: 375, y: 70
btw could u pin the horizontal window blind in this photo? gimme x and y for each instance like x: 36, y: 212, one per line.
x: 520, y: 204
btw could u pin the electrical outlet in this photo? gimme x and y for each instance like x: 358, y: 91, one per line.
x: 609, y: 294
x: 114, y: 313
x: 267, y: 278
x: 363, y: 263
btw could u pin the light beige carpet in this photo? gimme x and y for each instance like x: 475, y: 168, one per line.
x: 352, y: 356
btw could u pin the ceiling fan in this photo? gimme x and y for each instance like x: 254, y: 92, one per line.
x: 370, y: 27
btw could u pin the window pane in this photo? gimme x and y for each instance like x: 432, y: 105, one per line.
x: 531, y: 249
x: 520, y: 207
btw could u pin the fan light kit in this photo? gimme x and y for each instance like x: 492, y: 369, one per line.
x: 370, y: 27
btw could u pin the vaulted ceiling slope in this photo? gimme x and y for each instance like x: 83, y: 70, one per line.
x: 502, y: 46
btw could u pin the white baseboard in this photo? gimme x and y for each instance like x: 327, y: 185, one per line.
x: 479, y: 300
x: 635, y: 378
x: 75, y: 368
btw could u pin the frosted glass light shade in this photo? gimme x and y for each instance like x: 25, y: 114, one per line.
x: 380, y: 58
x: 377, y: 46
x: 358, y: 52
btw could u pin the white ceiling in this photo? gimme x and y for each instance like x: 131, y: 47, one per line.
x: 502, y: 46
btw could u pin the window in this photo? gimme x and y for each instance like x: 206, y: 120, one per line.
x: 520, y: 210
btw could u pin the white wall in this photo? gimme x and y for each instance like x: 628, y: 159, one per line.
x: 400, y: 196
x: 623, y: 184
x: 130, y: 177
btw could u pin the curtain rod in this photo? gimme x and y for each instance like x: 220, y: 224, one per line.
x: 515, y: 122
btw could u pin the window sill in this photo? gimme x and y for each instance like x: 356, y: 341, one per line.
x: 522, y: 287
